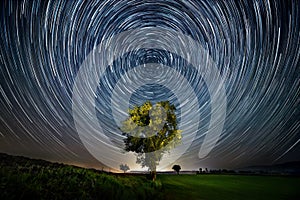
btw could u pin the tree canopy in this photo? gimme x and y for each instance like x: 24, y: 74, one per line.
x: 176, y: 168
x: 124, y: 167
x: 151, y: 131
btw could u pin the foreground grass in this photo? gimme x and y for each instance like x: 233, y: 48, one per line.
x: 71, y: 183
x: 229, y: 187
x: 23, y: 178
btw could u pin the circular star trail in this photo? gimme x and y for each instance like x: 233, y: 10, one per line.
x: 249, y: 50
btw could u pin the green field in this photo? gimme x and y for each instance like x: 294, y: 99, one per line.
x: 23, y: 178
x: 229, y: 187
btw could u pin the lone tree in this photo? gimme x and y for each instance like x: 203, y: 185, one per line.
x: 150, y: 131
x: 124, y: 167
x: 200, y: 170
x: 176, y: 168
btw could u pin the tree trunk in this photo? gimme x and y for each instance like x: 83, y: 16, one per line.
x: 153, y: 166
x: 153, y: 175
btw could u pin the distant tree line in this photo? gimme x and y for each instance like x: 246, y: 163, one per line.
x: 215, y: 171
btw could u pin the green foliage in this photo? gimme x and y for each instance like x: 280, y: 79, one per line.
x: 151, y: 131
x: 31, y: 179
x: 22, y: 178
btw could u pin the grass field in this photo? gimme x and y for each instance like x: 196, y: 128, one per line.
x: 23, y: 178
x: 229, y: 187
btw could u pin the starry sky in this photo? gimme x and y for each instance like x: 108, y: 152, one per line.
x: 71, y: 69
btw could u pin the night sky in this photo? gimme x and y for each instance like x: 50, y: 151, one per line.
x: 71, y: 69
